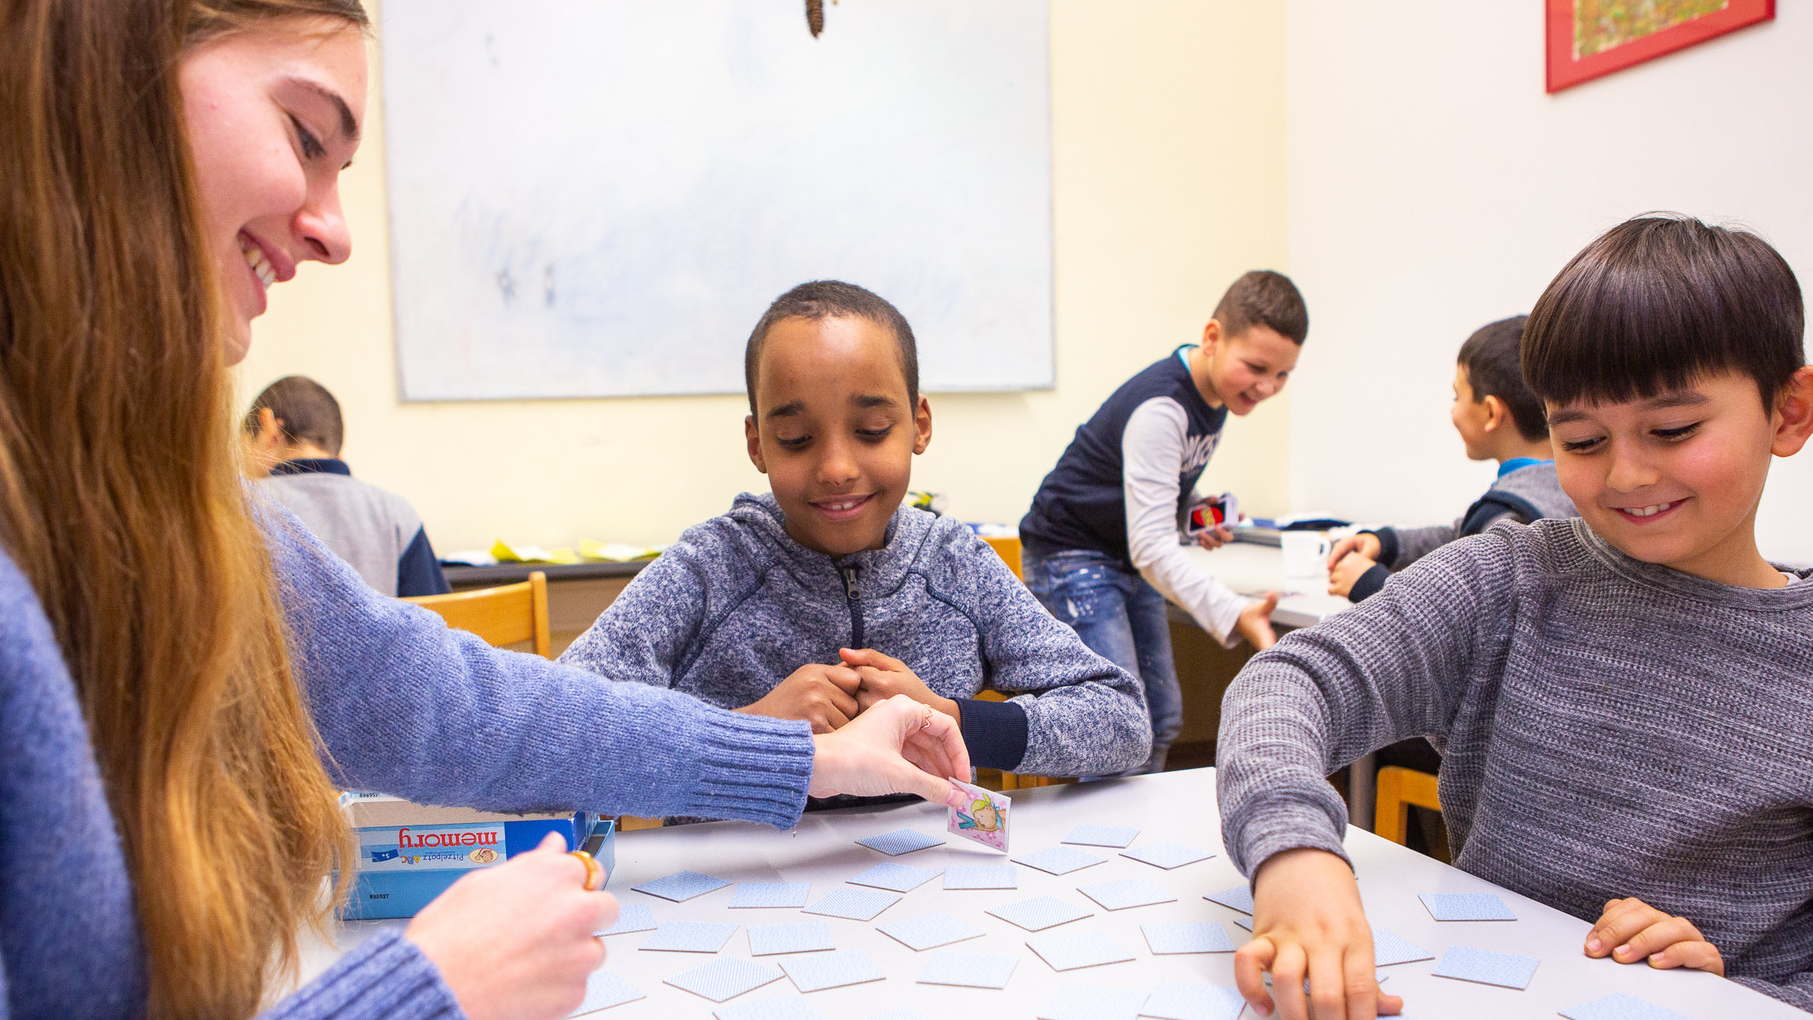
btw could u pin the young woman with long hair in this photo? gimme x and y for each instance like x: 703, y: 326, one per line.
x: 186, y: 679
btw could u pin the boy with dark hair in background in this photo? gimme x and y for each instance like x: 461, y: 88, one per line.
x: 1499, y: 419
x: 293, y: 436
x: 829, y: 596
x: 1620, y: 698
x: 1101, y: 542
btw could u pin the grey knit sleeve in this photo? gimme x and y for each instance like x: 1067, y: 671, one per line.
x: 1796, y: 991
x: 1415, y: 543
x: 645, y: 633
x: 1085, y: 715
x: 1394, y: 666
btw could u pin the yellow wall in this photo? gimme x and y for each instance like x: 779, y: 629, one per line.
x: 1169, y: 153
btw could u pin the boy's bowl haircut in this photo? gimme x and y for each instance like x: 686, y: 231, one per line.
x: 1658, y: 301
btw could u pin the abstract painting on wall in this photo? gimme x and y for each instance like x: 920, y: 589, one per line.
x: 1590, y: 38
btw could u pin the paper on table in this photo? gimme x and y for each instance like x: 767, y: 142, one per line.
x: 831, y: 970
x: 770, y: 894
x: 724, y: 978
x: 970, y: 970
x: 1039, y: 913
x: 681, y: 886
x: 1088, y: 1003
x: 930, y: 931
x: 1059, y: 860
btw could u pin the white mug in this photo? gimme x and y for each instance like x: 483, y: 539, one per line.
x: 1305, y: 553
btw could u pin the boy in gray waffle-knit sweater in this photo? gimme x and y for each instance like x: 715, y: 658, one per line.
x: 1622, y: 700
x: 827, y: 596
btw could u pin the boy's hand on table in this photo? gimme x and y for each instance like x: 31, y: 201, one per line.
x: 898, y: 746
x: 1214, y: 538
x: 1365, y: 544
x: 1347, y: 572
x: 1631, y: 930
x: 1255, y: 622
x: 1308, y: 923
x: 514, y: 941
x: 822, y: 695
x: 884, y: 676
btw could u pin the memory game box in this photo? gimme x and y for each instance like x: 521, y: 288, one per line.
x: 410, y: 853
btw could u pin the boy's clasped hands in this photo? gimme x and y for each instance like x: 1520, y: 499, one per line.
x: 829, y: 696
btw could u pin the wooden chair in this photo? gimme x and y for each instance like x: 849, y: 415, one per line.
x: 1399, y: 789
x: 1009, y: 550
x: 506, y: 615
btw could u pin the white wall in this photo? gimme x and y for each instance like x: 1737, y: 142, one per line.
x: 1168, y: 179
x: 1434, y: 187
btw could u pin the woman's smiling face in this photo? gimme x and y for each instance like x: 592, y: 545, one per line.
x: 273, y: 116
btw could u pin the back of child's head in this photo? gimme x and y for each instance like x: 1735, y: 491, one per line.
x: 1658, y: 301
x: 1264, y: 298
x: 827, y: 299
x: 305, y: 411
x: 1490, y: 357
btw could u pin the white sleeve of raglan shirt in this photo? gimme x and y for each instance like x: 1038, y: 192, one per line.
x: 1152, y: 448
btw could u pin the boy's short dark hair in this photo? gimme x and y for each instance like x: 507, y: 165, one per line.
x: 829, y: 299
x: 1490, y: 358
x: 1657, y: 301
x: 305, y: 411
x: 1264, y: 298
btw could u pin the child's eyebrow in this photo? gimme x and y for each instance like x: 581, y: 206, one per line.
x: 1679, y: 398
x: 866, y: 400
x: 786, y: 410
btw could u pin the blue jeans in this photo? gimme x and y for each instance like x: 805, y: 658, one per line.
x: 1122, y: 619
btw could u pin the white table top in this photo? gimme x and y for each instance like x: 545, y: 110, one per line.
x: 1253, y: 569
x: 1177, y: 806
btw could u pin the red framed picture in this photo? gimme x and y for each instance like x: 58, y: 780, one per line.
x: 1589, y: 38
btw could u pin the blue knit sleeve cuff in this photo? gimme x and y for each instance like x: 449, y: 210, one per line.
x: 1369, y: 583
x: 752, y: 767
x: 385, y: 976
x: 995, y: 733
x: 1388, y: 544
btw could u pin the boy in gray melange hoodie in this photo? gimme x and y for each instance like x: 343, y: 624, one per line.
x: 1499, y: 419
x: 850, y: 597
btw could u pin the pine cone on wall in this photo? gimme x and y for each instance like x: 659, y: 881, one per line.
x: 815, y: 16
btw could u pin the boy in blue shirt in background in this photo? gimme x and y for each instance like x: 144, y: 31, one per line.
x: 833, y: 585
x: 1101, y: 542
x: 1621, y: 698
x: 1499, y: 419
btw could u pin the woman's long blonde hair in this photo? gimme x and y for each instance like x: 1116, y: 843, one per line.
x: 121, y: 501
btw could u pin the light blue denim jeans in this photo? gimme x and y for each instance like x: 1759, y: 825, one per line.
x: 1122, y: 619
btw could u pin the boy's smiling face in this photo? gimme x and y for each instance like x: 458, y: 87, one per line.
x: 1675, y: 479
x: 834, y: 430
x: 1245, y: 369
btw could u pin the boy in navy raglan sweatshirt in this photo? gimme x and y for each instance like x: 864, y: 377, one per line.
x: 819, y: 600
x: 1102, y: 542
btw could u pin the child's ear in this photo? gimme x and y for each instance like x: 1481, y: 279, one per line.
x: 1793, y: 417
x: 922, y: 425
x: 1211, y: 335
x: 1497, y: 413
x: 754, y: 438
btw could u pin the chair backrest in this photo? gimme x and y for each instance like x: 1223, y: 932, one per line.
x: 1009, y: 550
x: 505, y: 615
x: 1398, y: 789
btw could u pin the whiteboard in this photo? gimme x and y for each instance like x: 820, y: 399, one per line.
x: 601, y: 198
